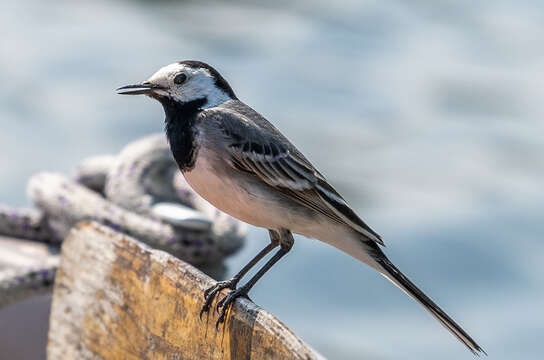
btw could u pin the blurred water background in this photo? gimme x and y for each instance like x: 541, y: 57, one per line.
x: 426, y: 116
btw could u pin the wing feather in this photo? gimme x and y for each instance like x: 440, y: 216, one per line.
x: 266, y: 154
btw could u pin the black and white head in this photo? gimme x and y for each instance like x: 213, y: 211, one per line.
x: 184, y: 82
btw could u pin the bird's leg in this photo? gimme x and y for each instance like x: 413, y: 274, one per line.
x: 210, y: 293
x: 286, y: 243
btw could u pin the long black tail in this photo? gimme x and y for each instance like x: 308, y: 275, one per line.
x: 393, y: 274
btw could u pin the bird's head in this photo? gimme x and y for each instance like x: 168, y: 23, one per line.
x: 184, y: 82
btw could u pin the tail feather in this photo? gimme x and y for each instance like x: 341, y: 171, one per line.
x: 394, y: 275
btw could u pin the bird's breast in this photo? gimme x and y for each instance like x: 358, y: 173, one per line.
x: 235, y: 193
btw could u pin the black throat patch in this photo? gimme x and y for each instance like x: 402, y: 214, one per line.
x: 181, y: 131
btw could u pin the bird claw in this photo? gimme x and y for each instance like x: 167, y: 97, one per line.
x: 226, y: 302
x: 212, y: 291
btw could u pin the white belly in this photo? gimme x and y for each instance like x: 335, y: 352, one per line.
x: 220, y: 190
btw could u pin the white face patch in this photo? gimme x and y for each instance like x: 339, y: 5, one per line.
x: 199, y: 84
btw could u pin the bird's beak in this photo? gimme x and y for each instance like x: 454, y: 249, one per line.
x: 145, y: 88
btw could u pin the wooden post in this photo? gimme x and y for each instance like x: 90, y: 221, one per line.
x: 115, y: 298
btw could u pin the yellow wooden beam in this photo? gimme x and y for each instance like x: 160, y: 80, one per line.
x: 115, y: 298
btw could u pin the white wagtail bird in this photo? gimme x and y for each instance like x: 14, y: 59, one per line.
x: 239, y: 162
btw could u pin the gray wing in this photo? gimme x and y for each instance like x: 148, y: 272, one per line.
x: 256, y: 147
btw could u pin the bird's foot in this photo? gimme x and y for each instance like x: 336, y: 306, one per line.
x: 212, y: 291
x: 227, y: 302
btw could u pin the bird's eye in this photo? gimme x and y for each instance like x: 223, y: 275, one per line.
x: 180, y: 78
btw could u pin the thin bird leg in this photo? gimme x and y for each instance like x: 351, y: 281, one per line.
x: 286, y: 243
x: 212, y: 291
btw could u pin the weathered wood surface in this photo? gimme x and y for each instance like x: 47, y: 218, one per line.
x: 27, y: 268
x: 115, y: 298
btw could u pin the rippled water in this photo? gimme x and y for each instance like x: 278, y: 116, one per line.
x: 426, y: 115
